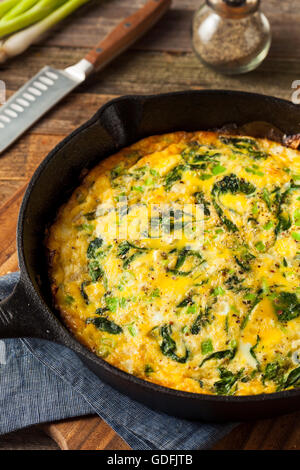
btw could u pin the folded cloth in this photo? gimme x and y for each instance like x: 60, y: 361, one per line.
x: 42, y: 381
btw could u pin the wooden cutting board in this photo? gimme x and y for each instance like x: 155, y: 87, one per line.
x: 92, y: 433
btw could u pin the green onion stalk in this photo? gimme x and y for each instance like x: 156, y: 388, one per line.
x: 7, y: 5
x: 39, y: 11
x: 17, y: 43
x: 19, y: 8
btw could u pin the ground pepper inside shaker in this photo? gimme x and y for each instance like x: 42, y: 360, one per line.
x: 232, y: 36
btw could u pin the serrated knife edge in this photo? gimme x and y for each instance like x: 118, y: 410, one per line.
x: 50, y: 85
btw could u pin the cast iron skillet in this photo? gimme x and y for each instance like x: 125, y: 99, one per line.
x: 28, y: 312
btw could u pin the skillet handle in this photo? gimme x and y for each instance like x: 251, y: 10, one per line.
x: 20, y: 318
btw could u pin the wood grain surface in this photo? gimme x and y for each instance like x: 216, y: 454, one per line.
x: 162, y: 61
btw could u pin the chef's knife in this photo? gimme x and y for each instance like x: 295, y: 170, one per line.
x: 50, y: 85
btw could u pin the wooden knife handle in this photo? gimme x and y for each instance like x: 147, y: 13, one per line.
x: 127, y: 32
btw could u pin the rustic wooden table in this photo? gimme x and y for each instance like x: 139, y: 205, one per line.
x: 162, y: 61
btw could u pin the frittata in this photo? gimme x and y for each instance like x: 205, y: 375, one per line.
x: 215, y: 313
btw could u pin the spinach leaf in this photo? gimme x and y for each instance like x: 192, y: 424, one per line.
x: 204, y: 318
x: 148, y: 370
x: 243, y: 258
x: 286, y: 306
x: 170, y: 220
x: 125, y: 246
x: 252, y: 351
x: 93, y: 247
x: 271, y: 371
x: 234, y: 283
x: 234, y: 185
x: 183, y: 254
x: 195, y: 153
x: 95, y: 270
x: 116, y: 172
x: 283, y: 217
x: 284, y: 223
x: 274, y: 372
x: 104, y: 324
x: 90, y: 215
x: 83, y: 293
x: 256, y: 299
x: 123, y: 249
x: 266, y: 198
x: 231, y: 227
x: 191, y: 150
x: 130, y: 259
x: 128, y: 252
x: 245, y: 145
x: 244, y: 262
x: 293, y: 379
x: 174, y: 175
x: 168, y: 346
x: 102, y: 310
x: 228, y: 380
x: 138, y: 173
x: 200, y: 199
x: 181, y: 258
x: 185, y: 302
x: 227, y: 353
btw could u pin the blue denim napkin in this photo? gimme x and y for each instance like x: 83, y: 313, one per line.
x: 42, y: 381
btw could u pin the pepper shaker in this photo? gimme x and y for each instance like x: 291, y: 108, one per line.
x: 232, y: 36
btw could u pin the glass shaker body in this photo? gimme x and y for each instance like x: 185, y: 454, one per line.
x: 230, y: 44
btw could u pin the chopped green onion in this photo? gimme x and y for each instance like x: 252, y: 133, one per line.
x: 132, y: 330
x: 112, y: 303
x: 217, y: 169
x: 251, y: 297
x: 192, y: 309
x: 139, y: 189
x: 206, y: 346
x: 218, y: 291
x: 297, y: 217
x: 268, y: 225
x: 266, y: 198
x: 155, y: 293
x: 255, y: 208
x: 154, y: 172
x: 260, y: 246
x: 205, y: 176
x: 265, y: 287
x: 296, y: 236
x: 69, y: 299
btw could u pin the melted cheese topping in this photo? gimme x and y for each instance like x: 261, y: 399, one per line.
x: 215, y: 311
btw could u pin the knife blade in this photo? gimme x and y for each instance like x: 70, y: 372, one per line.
x: 50, y: 85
